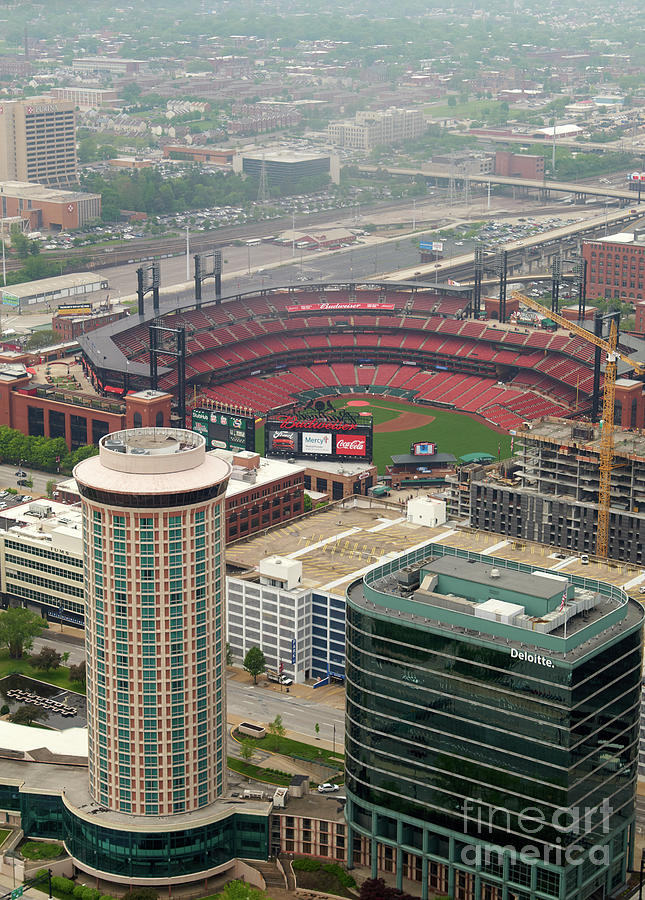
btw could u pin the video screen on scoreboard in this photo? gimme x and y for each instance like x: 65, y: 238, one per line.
x: 318, y: 439
x: 423, y: 448
x: 224, y: 431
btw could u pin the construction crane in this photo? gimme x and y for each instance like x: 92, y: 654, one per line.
x: 607, y: 424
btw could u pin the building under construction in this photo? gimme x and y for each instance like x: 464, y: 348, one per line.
x: 548, y: 492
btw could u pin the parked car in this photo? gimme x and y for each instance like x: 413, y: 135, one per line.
x: 327, y: 788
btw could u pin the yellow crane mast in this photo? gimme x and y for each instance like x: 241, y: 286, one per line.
x: 607, y: 425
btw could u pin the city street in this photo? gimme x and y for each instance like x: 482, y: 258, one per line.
x: 258, y: 703
x: 9, y: 479
x: 261, y: 705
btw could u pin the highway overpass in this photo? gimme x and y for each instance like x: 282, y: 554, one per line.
x: 527, y: 253
x: 543, y: 187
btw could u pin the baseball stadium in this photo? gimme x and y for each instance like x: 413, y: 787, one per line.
x: 423, y: 367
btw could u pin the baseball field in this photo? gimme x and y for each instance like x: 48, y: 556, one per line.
x: 398, y: 424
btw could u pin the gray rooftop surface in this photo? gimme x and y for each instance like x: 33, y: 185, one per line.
x: 58, y: 780
x: 389, y: 585
x: 536, y: 586
x: 401, y: 459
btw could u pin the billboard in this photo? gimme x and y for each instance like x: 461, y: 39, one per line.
x: 331, y: 436
x: 423, y: 448
x: 10, y: 299
x: 224, y: 431
x: 282, y: 443
x: 321, y: 307
x: 351, y: 445
x: 74, y: 309
x: 316, y: 442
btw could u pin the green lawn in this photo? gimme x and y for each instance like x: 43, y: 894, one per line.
x: 288, y: 747
x: 40, y: 850
x: 59, y: 677
x: 4, y: 834
x: 453, y: 432
x: 484, y: 110
x: 258, y: 773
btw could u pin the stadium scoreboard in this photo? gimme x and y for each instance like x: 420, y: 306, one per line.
x: 224, y: 430
x: 308, y: 436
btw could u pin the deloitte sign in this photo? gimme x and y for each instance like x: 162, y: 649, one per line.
x: 534, y: 658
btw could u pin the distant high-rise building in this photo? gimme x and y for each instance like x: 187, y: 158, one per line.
x: 38, y: 141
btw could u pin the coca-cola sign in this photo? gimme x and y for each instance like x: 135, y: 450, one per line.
x: 351, y: 445
x: 318, y: 434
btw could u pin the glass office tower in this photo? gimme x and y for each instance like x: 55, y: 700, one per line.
x: 492, y: 727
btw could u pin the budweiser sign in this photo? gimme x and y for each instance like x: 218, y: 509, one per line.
x: 316, y: 425
x: 351, y: 445
x: 313, y: 307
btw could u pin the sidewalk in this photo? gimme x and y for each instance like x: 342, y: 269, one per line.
x: 327, y: 695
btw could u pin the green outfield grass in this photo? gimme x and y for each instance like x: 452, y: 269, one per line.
x: 453, y: 432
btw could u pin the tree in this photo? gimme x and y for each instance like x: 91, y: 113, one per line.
x: 377, y: 889
x: 18, y: 628
x: 229, y: 655
x: 238, y: 890
x: 141, y: 893
x: 255, y: 663
x: 317, y: 730
x: 25, y: 715
x: 47, y: 659
x: 246, y: 749
x: 78, y: 673
x: 452, y: 100
x: 44, y: 338
x: 277, y: 730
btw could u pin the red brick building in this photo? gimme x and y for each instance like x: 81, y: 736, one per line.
x: 202, y: 155
x: 69, y: 326
x: 629, y: 404
x: 616, y: 267
x: 261, y: 493
x: 48, y: 207
x: 80, y: 419
x: 519, y: 165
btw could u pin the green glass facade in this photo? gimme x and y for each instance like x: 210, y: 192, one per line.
x: 158, y: 856
x: 167, y: 854
x: 455, y: 747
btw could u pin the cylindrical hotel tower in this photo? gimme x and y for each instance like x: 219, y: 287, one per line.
x: 153, y: 525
